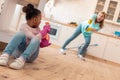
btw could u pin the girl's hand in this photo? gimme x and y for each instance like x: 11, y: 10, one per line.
x: 93, y: 30
x: 39, y: 36
x: 46, y: 29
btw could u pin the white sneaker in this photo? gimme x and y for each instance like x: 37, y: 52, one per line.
x: 4, y: 59
x: 81, y: 57
x: 17, y: 64
x: 63, y: 51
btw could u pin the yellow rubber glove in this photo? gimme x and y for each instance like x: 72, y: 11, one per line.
x: 90, y: 21
x: 89, y: 29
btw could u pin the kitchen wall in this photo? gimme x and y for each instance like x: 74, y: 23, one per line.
x: 78, y: 11
x: 66, y: 11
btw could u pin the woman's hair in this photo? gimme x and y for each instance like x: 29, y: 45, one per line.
x: 102, y: 22
x: 30, y: 11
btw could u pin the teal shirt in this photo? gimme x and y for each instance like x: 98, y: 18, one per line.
x: 94, y: 25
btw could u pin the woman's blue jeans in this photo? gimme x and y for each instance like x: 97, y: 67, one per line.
x: 75, y: 34
x: 18, y: 47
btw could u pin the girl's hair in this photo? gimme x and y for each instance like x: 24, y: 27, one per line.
x: 102, y: 22
x: 30, y: 11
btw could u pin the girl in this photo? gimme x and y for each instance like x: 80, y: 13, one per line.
x: 24, y: 46
x: 86, y: 28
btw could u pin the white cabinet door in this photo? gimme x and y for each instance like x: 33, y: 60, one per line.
x: 97, y: 51
x: 112, y: 52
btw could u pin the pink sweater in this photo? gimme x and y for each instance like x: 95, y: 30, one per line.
x: 29, y: 32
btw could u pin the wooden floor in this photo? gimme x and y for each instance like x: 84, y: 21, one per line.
x: 51, y: 65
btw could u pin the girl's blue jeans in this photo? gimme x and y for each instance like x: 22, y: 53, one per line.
x: 18, y: 47
x: 75, y: 34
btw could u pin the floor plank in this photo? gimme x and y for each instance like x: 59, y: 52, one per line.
x: 51, y: 65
